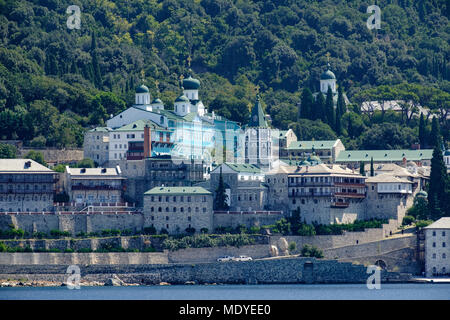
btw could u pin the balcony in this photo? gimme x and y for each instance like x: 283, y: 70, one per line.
x: 51, y: 191
x: 348, y: 184
x: 310, y: 194
x: 105, y: 187
x: 350, y: 195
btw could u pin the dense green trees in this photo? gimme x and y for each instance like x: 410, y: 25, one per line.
x: 83, y: 76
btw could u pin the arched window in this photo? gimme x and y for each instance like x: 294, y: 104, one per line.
x: 161, y: 120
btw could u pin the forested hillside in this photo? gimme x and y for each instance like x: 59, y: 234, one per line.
x: 56, y: 82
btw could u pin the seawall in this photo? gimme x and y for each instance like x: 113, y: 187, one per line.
x: 266, y: 271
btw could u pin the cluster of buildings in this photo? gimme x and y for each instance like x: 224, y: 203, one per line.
x: 166, y: 165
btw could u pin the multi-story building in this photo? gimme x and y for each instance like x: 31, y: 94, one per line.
x: 278, y: 187
x: 326, y: 194
x: 244, y: 185
x: 26, y: 186
x: 158, y: 171
x: 353, y: 158
x: 96, y: 144
x: 191, y: 131
x: 389, y: 196
x: 285, y: 138
x: 326, y: 150
x: 179, y: 209
x: 437, y: 248
x: 94, y: 185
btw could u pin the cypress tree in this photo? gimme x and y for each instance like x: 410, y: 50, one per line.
x: 340, y: 110
x: 329, y: 107
x: 362, y: 170
x: 438, y: 186
x: 422, y: 132
x: 435, y: 135
x: 220, y: 201
x: 95, y: 64
x: 319, y: 109
x: 306, y: 104
x: 372, y: 171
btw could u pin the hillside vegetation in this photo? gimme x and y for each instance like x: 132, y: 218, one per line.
x: 56, y: 82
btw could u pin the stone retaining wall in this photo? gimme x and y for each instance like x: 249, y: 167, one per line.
x: 268, y: 271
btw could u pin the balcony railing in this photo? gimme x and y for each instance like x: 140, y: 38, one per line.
x: 81, y: 187
x: 349, y: 195
x: 339, y: 204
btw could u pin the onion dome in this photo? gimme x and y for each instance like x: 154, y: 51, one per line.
x: 157, y: 101
x: 327, y: 75
x: 142, y: 89
x: 191, y: 84
x: 182, y: 98
x: 422, y: 194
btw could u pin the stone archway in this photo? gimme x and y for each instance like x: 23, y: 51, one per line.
x: 381, y: 263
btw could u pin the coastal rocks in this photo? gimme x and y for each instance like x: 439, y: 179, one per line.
x: 164, y: 284
x: 114, y: 281
x: 190, y: 282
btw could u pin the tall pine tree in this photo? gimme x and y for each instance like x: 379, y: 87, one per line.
x: 319, y: 108
x: 422, y: 132
x: 439, y: 186
x: 372, y: 171
x: 306, y: 104
x: 329, y: 107
x: 340, y: 110
x: 220, y: 200
x: 95, y: 65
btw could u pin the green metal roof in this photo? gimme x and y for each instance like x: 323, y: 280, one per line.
x: 384, y: 155
x: 257, y: 118
x: 139, y: 125
x: 243, y: 167
x: 308, y: 145
x: 101, y: 129
x: 178, y: 191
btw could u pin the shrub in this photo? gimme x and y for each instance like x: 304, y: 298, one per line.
x: 423, y: 223
x: 39, y: 235
x: 407, y: 220
x: 204, y: 230
x: 164, y: 231
x: 255, y: 230
x: 292, y: 247
x: 84, y: 250
x: 3, y: 247
x: 311, y: 251
x: 306, y: 230
x: 58, y: 233
x: 149, y: 249
x: 68, y: 250
x: 190, y: 230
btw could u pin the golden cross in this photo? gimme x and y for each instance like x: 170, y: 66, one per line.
x: 156, y: 84
x: 328, y: 57
x: 143, y: 75
x: 181, y: 78
x: 189, y: 59
x: 257, y: 89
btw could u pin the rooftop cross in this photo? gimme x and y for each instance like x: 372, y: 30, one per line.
x: 157, y: 84
x: 328, y: 59
x: 189, y: 59
x: 143, y: 75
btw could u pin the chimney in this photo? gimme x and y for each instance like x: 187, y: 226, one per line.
x: 147, y: 142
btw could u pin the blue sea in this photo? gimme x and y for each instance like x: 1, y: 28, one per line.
x: 405, y: 291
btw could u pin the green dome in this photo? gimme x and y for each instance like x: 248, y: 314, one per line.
x: 142, y: 89
x: 327, y: 75
x: 422, y: 194
x: 182, y: 98
x: 447, y: 153
x: 191, y: 83
x: 157, y: 100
